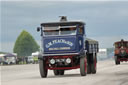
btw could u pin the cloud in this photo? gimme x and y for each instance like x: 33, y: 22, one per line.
x: 7, y: 46
x: 102, y: 18
x: 64, y: 0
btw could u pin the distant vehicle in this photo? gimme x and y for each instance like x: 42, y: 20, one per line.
x: 0, y: 60
x: 9, y: 60
x: 35, y: 57
x: 30, y: 59
x: 65, y: 47
x: 121, y: 51
x: 102, y: 54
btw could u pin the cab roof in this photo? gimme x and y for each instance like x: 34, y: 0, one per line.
x: 63, y: 23
x: 91, y: 41
x: 120, y: 42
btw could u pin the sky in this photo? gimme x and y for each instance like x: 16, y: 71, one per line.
x: 106, y: 21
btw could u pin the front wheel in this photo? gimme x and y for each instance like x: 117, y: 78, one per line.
x: 43, y: 70
x: 116, y: 60
x: 89, y: 68
x: 83, y: 66
x: 61, y: 72
x: 56, y: 72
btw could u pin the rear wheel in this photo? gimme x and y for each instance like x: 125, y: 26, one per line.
x: 88, y: 64
x: 43, y: 70
x: 83, y: 66
x: 93, y: 66
x: 116, y: 60
x: 88, y: 69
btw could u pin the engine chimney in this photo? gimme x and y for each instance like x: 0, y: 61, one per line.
x: 63, y: 18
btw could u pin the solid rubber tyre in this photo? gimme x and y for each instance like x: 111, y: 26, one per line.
x: 88, y: 69
x: 93, y: 66
x: 116, y: 60
x: 61, y: 72
x: 43, y: 70
x: 83, y: 66
x: 56, y: 72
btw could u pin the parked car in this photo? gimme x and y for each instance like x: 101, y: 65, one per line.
x: 0, y: 60
x: 30, y: 59
x: 9, y: 60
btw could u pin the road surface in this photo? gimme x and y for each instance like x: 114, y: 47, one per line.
x: 107, y: 74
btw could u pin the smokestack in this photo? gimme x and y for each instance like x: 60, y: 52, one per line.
x: 63, y: 18
x: 122, y: 40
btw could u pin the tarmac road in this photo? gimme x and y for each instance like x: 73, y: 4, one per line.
x: 107, y: 74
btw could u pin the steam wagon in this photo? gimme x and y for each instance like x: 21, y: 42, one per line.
x: 121, y: 51
x: 65, y: 47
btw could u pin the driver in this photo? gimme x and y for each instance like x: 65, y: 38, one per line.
x: 72, y: 30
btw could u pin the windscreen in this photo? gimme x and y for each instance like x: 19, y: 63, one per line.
x: 54, y: 30
x: 68, y: 30
x: 59, y: 30
x: 119, y: 45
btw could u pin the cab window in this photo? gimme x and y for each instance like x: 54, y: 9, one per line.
x: 51, y: 32
x: 81, y: 30
x: 59, y: 30
x: 68, y: 31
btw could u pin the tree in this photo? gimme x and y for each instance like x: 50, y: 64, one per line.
x: 25, y: 44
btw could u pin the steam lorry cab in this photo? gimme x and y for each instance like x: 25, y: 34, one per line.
x: 65, y: 46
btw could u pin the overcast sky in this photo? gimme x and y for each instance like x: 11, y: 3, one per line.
x: 105, y: 21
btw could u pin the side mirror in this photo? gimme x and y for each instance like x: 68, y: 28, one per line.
x: 38, y: 29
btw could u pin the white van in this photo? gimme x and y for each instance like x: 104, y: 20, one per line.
x: 9, y: 60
